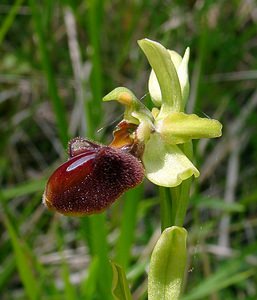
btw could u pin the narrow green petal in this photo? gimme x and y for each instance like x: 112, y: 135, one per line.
x: 167, y: 265
x: 160, y: 61
x: 122, y: 95
x: 178, y: 128
x: 165, y: 164
x: 133, y: 107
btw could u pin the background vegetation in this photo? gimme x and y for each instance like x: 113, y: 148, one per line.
x: 58, y: 59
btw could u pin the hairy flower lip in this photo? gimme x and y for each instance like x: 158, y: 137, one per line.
x: 50, y: 207
x: 91, y: 181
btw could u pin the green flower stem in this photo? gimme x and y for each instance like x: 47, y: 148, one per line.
x: 166, y: 208
x: 182, y: 202
x: 175, y: 198
x: 174, y: 201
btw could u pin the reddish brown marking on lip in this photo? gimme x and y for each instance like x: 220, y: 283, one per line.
x: 92, y: 180
x: 122, y: 135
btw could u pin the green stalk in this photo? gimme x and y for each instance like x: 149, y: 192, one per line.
x: 166, y: 207
x: 183, y: 198
x: 182, y: 202
x: 173, y: 204
x: 175, y: 198
x: 174, y: 201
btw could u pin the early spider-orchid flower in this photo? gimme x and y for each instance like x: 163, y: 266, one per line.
x: 147, y: 142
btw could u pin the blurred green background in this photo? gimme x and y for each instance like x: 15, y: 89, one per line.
x: 57, y: 60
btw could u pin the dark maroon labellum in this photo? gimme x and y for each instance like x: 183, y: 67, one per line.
x: 92, y: 179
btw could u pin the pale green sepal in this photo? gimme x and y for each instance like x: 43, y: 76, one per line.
x: 178, y: 128
x: 120, y: 287
x: 167, y: 265
x: 132, y: 104
x: 176, y: 58
x: 160, y: 61
x: 165, y: 164
x: 154, y: 89
x: 153, y: 85
x: 181, y: 66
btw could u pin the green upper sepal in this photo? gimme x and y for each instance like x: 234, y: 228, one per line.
x: 166, y: 74
x: 181, y: 66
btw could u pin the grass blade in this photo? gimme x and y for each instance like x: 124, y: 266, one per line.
x: 94, y: 25
x: 46, y: 64
x: 9, y: 19
x: 227, y: 275
x: 70, y: 293
x: 23, y: 189
x: 128, y: 226
x: 89, y: 285
x: 24, y: 262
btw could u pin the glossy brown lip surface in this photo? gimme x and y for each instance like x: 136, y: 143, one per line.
x: 92, y: 180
